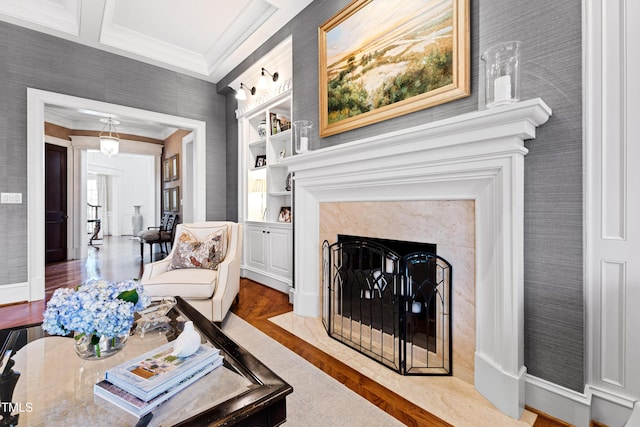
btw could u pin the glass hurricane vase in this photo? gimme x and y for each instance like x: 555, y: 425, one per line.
x: 89, y: 347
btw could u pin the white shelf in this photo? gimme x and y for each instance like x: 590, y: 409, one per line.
x: 281, y: 136
x: 280, y: 164
x: 260, y: 143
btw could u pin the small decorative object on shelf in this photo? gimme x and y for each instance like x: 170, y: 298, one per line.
x: 261, y: 161
x: 262, y: 128
x: 302, y: 135
x: 285, y: 123
x: 502, y: 74
x: 285, y: 214
x: 99, y: 314
x: 287, y: 185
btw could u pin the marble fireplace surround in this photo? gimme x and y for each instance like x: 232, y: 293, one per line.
x: 477, y: 156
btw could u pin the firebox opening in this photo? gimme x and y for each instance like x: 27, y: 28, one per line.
x: 390, y: 300
x: 421, y: 326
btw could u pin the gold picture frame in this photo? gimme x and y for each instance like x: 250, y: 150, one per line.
x: 380, y: 59
x: 175, y: 167
x: 174, y: 194
x: 167, y: 170
x: 167, y: 199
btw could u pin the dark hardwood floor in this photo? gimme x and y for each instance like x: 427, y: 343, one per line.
x: 119, y: 259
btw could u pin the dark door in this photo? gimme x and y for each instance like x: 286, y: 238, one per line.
x: 55, y: 202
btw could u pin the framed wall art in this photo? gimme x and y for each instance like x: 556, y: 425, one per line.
x: 380, y: 59
x: 167, y: 170
x: 285, y: 214
x: 175, y: 167
x: 167, y: 199
x: 175, y: 199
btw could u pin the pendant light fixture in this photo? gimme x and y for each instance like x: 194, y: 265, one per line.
x: 109, y: 140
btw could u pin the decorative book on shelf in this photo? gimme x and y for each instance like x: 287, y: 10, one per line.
x: 155, y: 372
x: 139, y: 407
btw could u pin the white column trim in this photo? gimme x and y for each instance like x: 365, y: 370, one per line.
x: 610, y: 106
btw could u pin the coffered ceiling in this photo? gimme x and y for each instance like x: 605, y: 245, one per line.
x: 202, y: 38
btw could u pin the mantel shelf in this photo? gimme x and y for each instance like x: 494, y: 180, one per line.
x: 465, y: 133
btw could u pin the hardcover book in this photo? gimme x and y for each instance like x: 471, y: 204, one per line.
x: 155, y: 372
x: 140, y: 407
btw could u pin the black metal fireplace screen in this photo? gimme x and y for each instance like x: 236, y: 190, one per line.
x: 394, y: 309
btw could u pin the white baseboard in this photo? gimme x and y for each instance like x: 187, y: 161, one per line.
x: 275, y: 282
x: 578, y: 408
x: 305, y: 304
x: 14, y: 292
x: 505, y: 391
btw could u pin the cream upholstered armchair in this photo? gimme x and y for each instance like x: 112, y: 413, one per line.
x: 203, y: 267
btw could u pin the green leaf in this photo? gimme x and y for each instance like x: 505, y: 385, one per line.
x: 129, y: 296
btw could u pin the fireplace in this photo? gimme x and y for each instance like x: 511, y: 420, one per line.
x: 476, y: 157
x: 391, y: 301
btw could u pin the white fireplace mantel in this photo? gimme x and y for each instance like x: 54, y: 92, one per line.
x: 477, y: 156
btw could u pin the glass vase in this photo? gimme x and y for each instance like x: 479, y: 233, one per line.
x: 86, y: 347
x: 302, y: 135
x: 502, y: 74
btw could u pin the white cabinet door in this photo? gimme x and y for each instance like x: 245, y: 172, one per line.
x: 256, y: 248
x: 279, y: 243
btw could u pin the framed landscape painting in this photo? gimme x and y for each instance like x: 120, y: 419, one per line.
x: 380, y: 59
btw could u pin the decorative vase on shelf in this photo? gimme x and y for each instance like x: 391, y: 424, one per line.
x: 302, y: 135
x: 136, y: 220
x: 262, y: 128
x: 502, y: 74
x: 90, y: 347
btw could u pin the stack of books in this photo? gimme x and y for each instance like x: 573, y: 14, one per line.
x: 143, y: 383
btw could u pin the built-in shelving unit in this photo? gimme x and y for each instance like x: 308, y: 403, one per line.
x: 265, y: 140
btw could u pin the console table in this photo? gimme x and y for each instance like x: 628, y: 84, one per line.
x: 55, y: 386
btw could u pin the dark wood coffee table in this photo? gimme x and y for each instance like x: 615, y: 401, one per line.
x: 56, y: 387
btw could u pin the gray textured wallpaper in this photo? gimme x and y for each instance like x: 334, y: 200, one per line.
x: 32, y: 59
x: 551, y: 69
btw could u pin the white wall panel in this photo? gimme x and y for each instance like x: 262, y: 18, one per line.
x: 612, y: 295
x: 613, y: 141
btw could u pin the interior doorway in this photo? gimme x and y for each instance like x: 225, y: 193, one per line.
x: 37, y: 100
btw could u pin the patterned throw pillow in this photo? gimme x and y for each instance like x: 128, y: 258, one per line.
x: 193, y: 253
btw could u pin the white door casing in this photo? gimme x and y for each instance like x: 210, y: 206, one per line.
x: 36, y: 102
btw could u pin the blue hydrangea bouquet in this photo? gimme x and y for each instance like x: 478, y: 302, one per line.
x: 95, y: 311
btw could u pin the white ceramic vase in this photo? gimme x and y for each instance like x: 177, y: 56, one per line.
x: 136, y: 220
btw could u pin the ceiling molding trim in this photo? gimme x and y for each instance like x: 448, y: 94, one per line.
x: 137, y: 43
x: 238, y: 31
x: 64, y: 16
